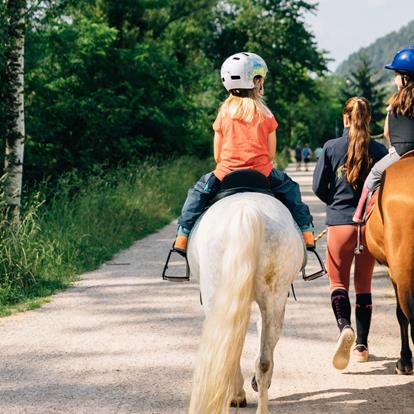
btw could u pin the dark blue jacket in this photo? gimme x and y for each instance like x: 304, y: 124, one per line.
x: 330, y: 183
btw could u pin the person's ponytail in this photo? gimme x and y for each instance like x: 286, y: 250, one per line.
x: 358, y: 161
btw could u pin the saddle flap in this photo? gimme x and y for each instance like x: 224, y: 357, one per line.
x: 371, y: 204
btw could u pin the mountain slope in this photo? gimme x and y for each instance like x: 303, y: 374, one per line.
x: 381, y: 51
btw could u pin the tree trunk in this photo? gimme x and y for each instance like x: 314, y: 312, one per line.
x: 14, y: 98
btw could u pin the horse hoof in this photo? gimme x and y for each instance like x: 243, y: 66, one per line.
x: 254, y: 384
x: 240, y: 404
x: 403, y: 369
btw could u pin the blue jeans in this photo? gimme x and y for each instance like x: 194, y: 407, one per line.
x: 288, y: 192
x: 283, y: 187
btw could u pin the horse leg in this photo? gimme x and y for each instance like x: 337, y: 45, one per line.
x: 239, y: 395
x: 404, y: 364
x: 272, y: 312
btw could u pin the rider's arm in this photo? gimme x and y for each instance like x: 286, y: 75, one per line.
x: 217, y: 146
x: 271, y: 144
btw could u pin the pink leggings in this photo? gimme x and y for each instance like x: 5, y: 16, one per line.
x: 340, y: 253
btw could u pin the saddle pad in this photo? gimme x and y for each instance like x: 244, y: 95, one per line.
x: 408, y: 154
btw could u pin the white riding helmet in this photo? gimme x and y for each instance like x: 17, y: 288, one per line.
x: 239, y: 70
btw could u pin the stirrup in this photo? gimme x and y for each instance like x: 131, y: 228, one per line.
x: 317, y: 274
x: 185, y: 278
x: 359, y: 248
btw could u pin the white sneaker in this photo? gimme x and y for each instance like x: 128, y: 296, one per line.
x: 346, y: 339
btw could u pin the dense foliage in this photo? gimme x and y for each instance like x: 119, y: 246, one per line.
x: 362, y: 81
x: 319, y: 119
x: 109, y: 82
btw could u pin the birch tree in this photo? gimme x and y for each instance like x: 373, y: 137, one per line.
x: 14, y: 100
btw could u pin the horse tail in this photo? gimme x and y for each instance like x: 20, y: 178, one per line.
x: 226, y: 325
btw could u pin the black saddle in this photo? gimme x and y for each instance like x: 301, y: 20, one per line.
x: 243, y: 181
x: 240, y: 181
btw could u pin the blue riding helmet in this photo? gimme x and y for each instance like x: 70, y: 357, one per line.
x: 403, y: 61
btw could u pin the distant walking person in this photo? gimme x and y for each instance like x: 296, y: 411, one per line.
x: 307, y: 154
x: 399, y: 124
x: 337, y: 181
x: 298, y: 157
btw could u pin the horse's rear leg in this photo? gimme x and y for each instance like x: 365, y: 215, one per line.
x: 272, y: 312
x: 404, y: 364
x: 239, y: 395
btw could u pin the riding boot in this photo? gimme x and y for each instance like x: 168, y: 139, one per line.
x: 181, y: 243
x: 360, y: 210
x: 309, y: 239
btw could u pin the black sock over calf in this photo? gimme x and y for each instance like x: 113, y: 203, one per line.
x: 341, y: 307
x: 363, y: 312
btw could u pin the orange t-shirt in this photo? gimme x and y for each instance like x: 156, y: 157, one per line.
x: 244, y: 145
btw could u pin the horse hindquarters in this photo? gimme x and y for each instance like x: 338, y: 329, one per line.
x: 397, y: 205
x: 217, y: 368
x: 374, y: 235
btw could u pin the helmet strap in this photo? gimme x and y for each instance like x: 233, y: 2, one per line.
x: 241, y: 93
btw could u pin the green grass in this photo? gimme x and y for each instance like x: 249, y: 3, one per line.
x: 85, y: 223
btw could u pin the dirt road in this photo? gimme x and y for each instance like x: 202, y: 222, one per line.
x: 123, y: 341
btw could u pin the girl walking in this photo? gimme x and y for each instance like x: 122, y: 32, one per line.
x: 337, y: 181
x: 399, y: 124
x: 244, y: 138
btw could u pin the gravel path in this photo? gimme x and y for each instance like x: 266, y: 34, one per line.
x: 123, y: 341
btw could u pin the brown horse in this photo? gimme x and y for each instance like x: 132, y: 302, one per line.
x: 390, y: 238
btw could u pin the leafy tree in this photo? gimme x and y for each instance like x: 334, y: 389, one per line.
x: 13, y: 96
x: 114, y: 81
x: 363, y: 82
x: 276, y: 31
x: 3, y: 40
x: 319, y: 117
x: 109, y: 81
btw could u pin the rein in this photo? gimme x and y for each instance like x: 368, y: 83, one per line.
x: 321, y: 234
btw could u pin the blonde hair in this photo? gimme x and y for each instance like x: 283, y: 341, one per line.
x: 246, y: 107
x: 358, y: 160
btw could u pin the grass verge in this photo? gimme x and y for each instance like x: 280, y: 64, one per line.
x: 85, y: 223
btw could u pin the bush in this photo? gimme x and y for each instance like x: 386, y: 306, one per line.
x: 86, y: 222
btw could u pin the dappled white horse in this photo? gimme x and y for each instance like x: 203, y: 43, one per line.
x: 245, y: 248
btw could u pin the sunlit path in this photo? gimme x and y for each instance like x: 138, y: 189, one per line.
x: 123, y: 341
